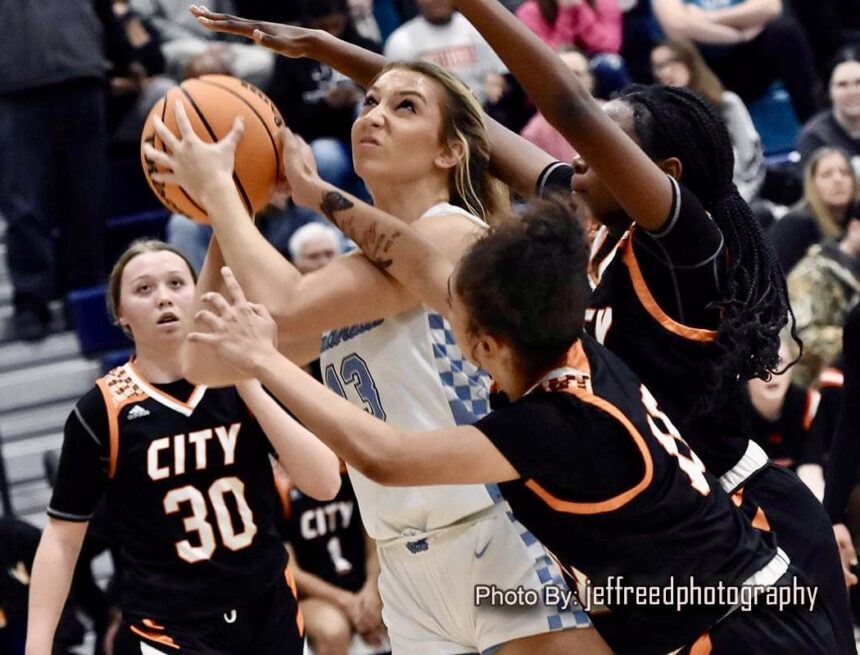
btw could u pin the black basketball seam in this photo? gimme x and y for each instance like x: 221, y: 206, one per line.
x: 257, y: 114
x: 164, y: 150
x: 245, y: 199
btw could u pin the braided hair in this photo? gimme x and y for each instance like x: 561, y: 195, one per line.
x: 676, y: 122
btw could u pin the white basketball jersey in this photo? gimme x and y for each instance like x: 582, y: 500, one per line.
x: 407, y: 371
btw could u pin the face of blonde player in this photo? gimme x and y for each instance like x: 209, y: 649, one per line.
x: 156, y: 300
x: 833, y: 179
x: 773, y: 391
x: 397, y: 136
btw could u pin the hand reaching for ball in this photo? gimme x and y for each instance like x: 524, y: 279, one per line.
x: 300, y: 170
x: 198, y: 167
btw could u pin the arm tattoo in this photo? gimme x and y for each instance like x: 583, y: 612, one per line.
x: 374, y: 243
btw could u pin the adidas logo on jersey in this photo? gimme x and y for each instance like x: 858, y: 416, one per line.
x: 137, y: 412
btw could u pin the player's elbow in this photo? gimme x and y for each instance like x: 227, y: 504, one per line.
x: 387, y: 466
x: 325, y: 487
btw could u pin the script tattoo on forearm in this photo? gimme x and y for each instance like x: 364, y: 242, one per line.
x: 375, y: 243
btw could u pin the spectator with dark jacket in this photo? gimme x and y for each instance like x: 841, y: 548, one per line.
x: 830, y: 191
x: 52, y: 149
x: 838, y: 126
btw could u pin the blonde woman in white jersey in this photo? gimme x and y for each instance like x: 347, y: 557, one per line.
x: 421, y: 147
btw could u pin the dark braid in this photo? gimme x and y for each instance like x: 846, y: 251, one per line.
x: 676, y: 122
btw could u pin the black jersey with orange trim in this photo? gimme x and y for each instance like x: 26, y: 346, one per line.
x: 189, y: 492
x: 609, y: 487
x: 327, y: 535
x: 796, y: 436
x: 667, y: 354
x: 830, y: 383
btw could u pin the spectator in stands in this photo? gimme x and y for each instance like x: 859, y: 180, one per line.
x: 18, y: 543
x: 134, y: 92
x: 787, y: 425
x: 840, y: 125
x: 540, y: 132
x: 592, y: 26
x: 183, y: 39
x: 313, y: 246
x: 747, y: 43
x: 52, y: 148
x: 676, y: 62
x: 829, y: 25
x: 317, y: 102
x: 444, y: 37
x: 830, y: 190
x: 823, y: 288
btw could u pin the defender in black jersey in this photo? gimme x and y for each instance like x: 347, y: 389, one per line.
x: 696, y: 294
x: 584, y: 456
x: 188, y: 487
x: 829, y: 385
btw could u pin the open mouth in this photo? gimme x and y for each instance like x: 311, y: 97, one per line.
x: 168, y: 317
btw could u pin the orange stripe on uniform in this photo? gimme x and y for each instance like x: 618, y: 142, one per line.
x: 113, y: 425
x: 159, y: 639
x: 702, y: 646
x: 621, y: 499
x: 651, y: 306
x: 759, y: 519
x: 831, y: 377
x: 291, y: 583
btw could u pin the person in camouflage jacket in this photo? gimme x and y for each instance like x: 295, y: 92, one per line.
x: 823, y: 288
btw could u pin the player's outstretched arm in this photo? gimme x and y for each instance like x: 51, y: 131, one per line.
x: 50, y: 581
x: 348, y: 291
x: 638, y: 184
x: 514, y: 160
x: 243, y: 334
x: 309, y: 463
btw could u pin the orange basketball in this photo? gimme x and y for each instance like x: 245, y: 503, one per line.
x: 212, y: 102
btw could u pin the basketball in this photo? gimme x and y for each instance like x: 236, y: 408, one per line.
x: 212, y: 103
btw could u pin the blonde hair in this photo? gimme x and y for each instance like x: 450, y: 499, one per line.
x: 139, y: 247
x: 702, y: 79
x: 472, y: 187
x: 828, y: 225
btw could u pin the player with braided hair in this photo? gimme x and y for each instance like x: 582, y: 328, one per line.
x: 686, y: 290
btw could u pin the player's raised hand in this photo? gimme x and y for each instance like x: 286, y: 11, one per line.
x: 300, y: 169
x: 243, y: 333
x: 193, y: 164
x: 288, y: 40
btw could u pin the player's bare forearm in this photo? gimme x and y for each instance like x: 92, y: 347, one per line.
x: 309, y: 463
x: 264, y: 273
x: 50, y: 580
x: 748, y: 14
x: 637, y: 183
x: 392, y: 245
x: 200, y: 363
x: 363, y: 441
x: 355, y: 62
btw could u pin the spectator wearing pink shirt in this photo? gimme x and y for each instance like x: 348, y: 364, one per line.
x: 593, y: 26
x: 540, y: 132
